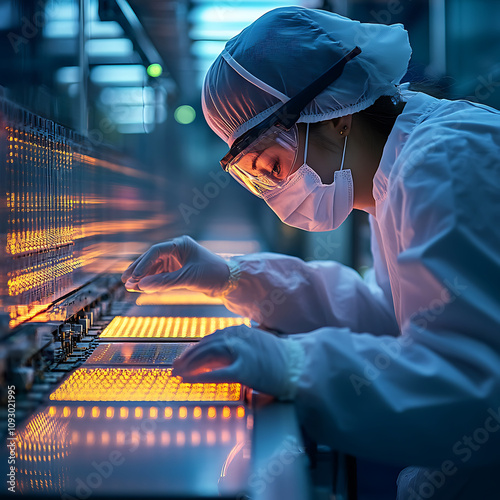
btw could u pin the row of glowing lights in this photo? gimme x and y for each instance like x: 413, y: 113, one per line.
x: 150, y: 438
x: 45, y: 144
x: 58, y: 164
x: 60, y: 159
x: 23, y: 312
x: 26, y: 241
x: 124, y: 412
x: 180, y: 327
x: 38, y: 205
x: 37, y: 141
x: 36, y: 201
x: 29, y: 241
x: 40, y: 274
x: 36, y: 484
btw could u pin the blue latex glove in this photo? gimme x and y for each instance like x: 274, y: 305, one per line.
x: 178, y: 263
x: 255, y: 358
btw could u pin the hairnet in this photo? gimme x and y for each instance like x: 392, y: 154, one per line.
x: 286, y: 49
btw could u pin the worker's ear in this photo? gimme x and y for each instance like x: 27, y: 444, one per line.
x: 342, y: 126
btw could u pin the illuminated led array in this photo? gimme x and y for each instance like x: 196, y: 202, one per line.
x: 40, y: 273
x: 160, y: 327
x: 152, y: 412
x: 63, y: 200
x: 177, y: 297
x: 139, y: 384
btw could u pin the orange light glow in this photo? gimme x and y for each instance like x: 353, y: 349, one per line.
x: 195, y: 438
x: 139, y: 384
x: 165, y: 438
x: 105, y: 439
x: 183, y: 412
x: 211, y: 438
x: 135, y: 437
x: 167, y: 327
x: 150, y: 438
x: 90, y: 438
x: 180, y: 438
x: 120, y: 438
x: 176, y: 297
x: 225, y: 436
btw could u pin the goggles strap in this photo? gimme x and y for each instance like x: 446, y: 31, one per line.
x: 306, y: 144
x: 343, y: 153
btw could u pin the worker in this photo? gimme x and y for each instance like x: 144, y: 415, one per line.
x: 401, y: 366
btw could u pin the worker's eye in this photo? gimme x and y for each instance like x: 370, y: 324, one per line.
x: 276, y: 168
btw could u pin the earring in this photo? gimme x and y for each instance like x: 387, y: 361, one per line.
x: 344, y: 128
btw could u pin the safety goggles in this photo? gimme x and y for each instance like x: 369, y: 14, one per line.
x: 263, y: 157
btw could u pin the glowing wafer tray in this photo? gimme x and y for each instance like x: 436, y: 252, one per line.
x: 137, y: 353
x: 178, y: 328
x: 139, y: 384
x: 176, y: 297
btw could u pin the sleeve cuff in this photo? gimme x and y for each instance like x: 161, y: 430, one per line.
x: 296, y: 358
x: 234, y: 277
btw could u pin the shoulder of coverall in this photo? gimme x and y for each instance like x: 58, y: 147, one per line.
x: 443, y: 171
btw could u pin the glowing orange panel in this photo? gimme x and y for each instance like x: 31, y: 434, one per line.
x: 174, y: 328
x: 176, y: 297
x: 139, y: 384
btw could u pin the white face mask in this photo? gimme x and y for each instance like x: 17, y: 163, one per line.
x: 303, y: 201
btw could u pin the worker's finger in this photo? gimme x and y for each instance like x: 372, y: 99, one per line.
x: 147, y: 257
x: 128, y: 272
x: 209, y: 354
x: 213, y: 376
x: 161, y: 282
x: 132, y: 286
x: 159, y: 258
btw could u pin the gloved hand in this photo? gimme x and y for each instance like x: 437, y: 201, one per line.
x: 178, y: 263
x: 255, y: 358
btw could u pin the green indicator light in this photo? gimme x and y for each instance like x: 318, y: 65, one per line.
x: 154, y: 70
x: 184, y: 114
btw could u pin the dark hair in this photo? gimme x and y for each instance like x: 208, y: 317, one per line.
x: 383, y: 113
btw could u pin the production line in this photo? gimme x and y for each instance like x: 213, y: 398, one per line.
x: 113, y: 421
x: 249, y: 250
